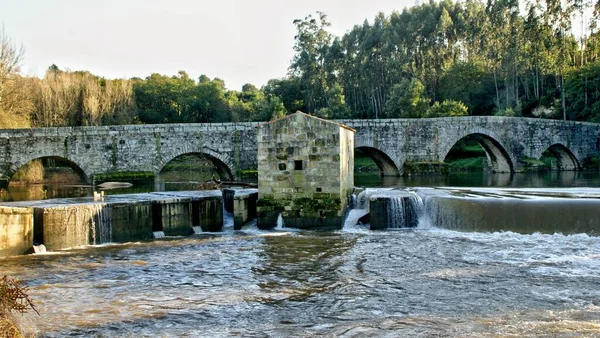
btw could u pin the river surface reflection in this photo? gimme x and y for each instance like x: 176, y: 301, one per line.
x: 25, y: 192
x: 422, y: 282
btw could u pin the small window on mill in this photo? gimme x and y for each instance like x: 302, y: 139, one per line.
x: 297, y: 165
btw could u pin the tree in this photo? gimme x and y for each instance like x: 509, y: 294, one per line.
x: 312, y: 43
x: 15, y: 103
x: 407, y: 100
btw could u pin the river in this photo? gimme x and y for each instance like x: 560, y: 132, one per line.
x: 419, y: 282
x: 422, y: 282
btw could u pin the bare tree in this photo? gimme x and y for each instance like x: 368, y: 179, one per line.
x: 15, y: 103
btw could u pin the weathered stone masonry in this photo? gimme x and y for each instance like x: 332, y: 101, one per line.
x: 305, y: 171
x: 233, y: 147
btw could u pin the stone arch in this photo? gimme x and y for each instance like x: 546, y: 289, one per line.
x: 74, y: 166
x: 386, y: 165
x: 499, y: 159
x: 565, y: 158
x: 220, y: 161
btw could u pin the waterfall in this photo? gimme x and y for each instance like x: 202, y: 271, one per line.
x: 395, y: 209
x: 362, y: 200
x: 404, y: 211
x: 197, y: 230
x: 100, y: 218
x: 158, y: 234
x: 280, y: 223
x: 39, y: 249
x: 92, y: 223
x: 360, y: 208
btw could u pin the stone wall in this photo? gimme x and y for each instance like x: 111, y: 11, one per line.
x: 147, y: 148
x: 300, y: 171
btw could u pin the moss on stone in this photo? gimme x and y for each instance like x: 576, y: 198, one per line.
x: 123, y: 176
x: 318, y: 204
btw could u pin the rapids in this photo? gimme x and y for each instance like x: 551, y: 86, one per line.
x: 413, y: 282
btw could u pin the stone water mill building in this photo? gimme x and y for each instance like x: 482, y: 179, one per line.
x: 305, y: 171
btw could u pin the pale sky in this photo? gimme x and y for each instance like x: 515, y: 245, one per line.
x: 238, y: 41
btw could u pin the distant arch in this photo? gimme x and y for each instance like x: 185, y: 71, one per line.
x: 58, y: 159
x: 565, y: 159
x: 498, y: 158
x: 386, y: 165
x: 221, y: 167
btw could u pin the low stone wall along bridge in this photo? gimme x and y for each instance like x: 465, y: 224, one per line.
x: 507, y: 141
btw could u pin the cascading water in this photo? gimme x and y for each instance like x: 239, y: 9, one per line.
x: 197, y: 230
x: 280, y: 223
x: 158, y: 234
x: 94, y: 221
x: 395, y: 209
x: 404, y: 211
x: 102, y: 216
x: 360, y: 208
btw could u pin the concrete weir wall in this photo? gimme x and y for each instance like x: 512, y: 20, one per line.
x: 68, y: 223
x: 16, y: 230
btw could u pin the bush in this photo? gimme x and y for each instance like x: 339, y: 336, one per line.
x: 32, y: 172
x: 447, y: 108
x: 13, y: 299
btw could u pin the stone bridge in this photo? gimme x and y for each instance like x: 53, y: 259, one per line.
x: 232, y: 146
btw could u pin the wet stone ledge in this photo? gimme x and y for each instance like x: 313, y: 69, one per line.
x: 74, y: 222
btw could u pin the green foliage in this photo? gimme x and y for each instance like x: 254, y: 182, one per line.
x: 582, y: 91
x: 490, y: 56
x: 467, y: 164
x: 125, y: 176
x: 446, y: 109
x: 469, y: 83
x: 407, y: 100
x: 506, y: 112
x: 249, y: 174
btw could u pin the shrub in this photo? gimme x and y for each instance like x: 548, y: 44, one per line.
x: 447, y: 108
x: 31, y: 172
x: 13, y: 299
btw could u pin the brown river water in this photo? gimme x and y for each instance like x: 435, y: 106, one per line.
x: 422, y: 282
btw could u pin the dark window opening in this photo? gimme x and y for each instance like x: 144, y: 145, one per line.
x: 297, y: 165
x: 319, y: 189
x: 282, y: 166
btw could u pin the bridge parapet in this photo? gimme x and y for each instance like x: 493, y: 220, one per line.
x: 392, y: 142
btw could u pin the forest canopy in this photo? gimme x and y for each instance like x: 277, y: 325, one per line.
x: 433, y: 59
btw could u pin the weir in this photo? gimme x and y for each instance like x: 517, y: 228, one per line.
x: 386, y: 208
x: 74, y: 222
x: 567, y: 211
